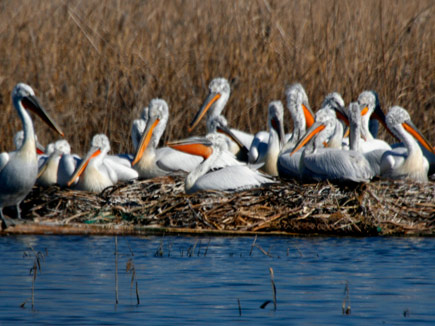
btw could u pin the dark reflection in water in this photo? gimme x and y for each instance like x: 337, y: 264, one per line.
x: 189, y: 280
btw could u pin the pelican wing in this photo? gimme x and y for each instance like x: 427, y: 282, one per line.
x: 245, y: 138
x: 4, y: 159
x: 288, y: 165
x: 231, y: 178
x: 120, y: 170
x: 171, y: 160
x: 258, y: 149
x: 335, y: 164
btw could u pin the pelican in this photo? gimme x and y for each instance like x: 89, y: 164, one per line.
x: 370, y: 109
x: 303, y: 118
x: 220, y: 170
x: 97, y: 173
x: 358, y: 144
x: 49, y: 163
x: 275, y: 140
x: 318, y: 163
x: 151, y: 162
x: 18, y: 169
x: 219, y: 93
x: 405, y: 162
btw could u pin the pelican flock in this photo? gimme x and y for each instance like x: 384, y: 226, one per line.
x: 224, y: 159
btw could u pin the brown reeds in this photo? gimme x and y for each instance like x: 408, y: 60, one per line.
x: 95, y: 64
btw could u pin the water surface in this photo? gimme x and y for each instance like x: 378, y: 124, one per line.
x: 200, y: 280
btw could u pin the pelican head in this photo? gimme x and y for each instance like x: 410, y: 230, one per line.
x: 297, y: 104
x: 324, y: 126
x: 371, y: 109
x: 335, y: 102
x: 158, y: 113
x: 24, y: 96
x: 219, y: 93
x: 398, y: 118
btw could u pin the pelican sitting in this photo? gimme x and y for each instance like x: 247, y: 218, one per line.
x: 318, y: 163
x: 405, y: 162
x: 49, y: 163
x: 97, y: 173
x: 18, y: 169
x: 303, y: 118
x: 275, y: 142
x: 220, y: 170
x: 219, y: 93
x: 150, y: 161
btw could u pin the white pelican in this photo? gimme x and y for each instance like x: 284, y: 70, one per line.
x: 275, y: 140
x: 405, y: 162
x: 220, y: 170
x: 97, y: 173
x: 150, y: 161
x: 49, y: 163
x: 303, y: 118
x: 219, y: 93
x: 370, y: 109
x: 358, y: 144
x: 318, y: 163
x: 18, y: 169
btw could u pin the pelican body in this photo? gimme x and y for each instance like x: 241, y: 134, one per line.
x: 220, y: 170
x: 406, y: 162
x: 318, y: 163
x: 19, y: 169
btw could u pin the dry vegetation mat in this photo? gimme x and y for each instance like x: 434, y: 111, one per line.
x: 161, y: 206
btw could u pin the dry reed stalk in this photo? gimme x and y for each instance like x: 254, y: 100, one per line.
x: 95, y: 64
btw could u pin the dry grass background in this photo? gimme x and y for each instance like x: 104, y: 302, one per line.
x: 95, y: 64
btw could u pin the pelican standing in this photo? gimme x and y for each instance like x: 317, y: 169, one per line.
x: 406, y: 162
x: 18, y: 169
x: 318, y: 163
x: 150, y: 161
x: 95, y: 173
x: 219, y: 93
x: 220, y: 170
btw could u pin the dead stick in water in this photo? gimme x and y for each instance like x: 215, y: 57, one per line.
x: 273, y: 287
x: 240, y: 307
x: 116, y: 269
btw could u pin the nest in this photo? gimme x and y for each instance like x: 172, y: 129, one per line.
x: 377, y: 208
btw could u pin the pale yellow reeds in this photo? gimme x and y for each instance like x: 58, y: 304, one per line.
x: 95, y: 64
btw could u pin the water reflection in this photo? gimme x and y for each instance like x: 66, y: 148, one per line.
x: 185, y: 280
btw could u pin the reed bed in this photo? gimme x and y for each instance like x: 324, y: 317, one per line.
x: 376, y: 208
x: 95, y: 64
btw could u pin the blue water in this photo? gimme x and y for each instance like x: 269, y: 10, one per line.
x: 199, y: 280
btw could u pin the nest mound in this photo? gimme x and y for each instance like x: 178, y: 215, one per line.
x: 377, y: 208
